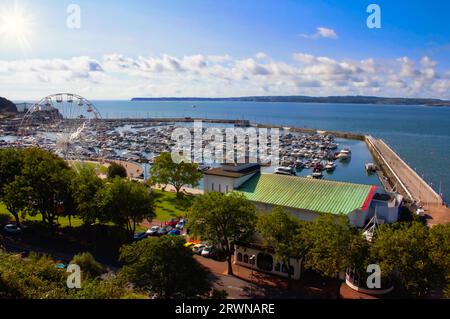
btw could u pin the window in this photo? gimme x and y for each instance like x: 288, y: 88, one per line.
x: 265, y: 262
x: 284, y: 269
x: 220, y: 188
x: 239, y: 257
x: 277, y: 267
x: 226, y: 188
x: 212, y: 187
x: 246, y: 258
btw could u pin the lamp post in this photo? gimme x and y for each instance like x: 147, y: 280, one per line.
x: 252, y: 263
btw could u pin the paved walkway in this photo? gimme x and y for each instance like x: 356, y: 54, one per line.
x: 413, y: 185
x: 247, y: 284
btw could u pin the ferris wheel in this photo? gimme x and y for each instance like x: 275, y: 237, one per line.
x: 64, y: 123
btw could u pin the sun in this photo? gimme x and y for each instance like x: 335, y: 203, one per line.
x: 16, y: 25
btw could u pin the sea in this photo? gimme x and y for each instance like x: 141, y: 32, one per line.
x: 419, y: 134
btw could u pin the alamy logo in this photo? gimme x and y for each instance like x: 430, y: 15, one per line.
x: 74, y: 16
x: 374, y: 19
x: 74, y: 279
x: 374, y: 279
x: 230, y: 145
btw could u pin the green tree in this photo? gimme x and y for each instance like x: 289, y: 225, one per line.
x: 116, y: 170
x: 402, y: 250
x: 222, y: 219
x: 90, y: 268
x: 37, y: 277
x: 49, y: 178
x: 165, y: 267
x: 32, y: 278
x: 85, y: 186
x: 126, y: 203
x: 11, y: 164
x: 166, y: 171
x: 439, y: 252
x: 16, y: 197
x: 330, y: 238
x: 283, y: 233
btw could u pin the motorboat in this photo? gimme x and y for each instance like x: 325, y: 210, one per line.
x: 317, y: 175
x: 284, y: 170
x: 344, y: 154
x: 331, y: 166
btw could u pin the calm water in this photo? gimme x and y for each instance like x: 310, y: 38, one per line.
x: 421, y: 135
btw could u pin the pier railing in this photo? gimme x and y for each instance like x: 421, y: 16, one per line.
x: 409, y: 182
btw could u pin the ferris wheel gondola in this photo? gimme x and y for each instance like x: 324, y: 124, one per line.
x: 69, y: 120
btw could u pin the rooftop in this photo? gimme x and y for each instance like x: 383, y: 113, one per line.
x: 315, y: 195
x: 234, y: 171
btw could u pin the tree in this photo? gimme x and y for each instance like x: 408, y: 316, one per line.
x: 328, y: 253
x: 85, y: 186
x: 222, y: 219
x: 165, y: 267
x: 90, y: 268
x: 10, y: 166
x: 125, y: 203
x: 16, y: 197
x: 166, y: 171
x: 402, y: 250
x: 116, y: 170
x: 36, y: 277
x: 49, y: 178
x: 284, y: 234
x: 439, y: 252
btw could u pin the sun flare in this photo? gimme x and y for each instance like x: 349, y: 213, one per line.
x: 15, y: 25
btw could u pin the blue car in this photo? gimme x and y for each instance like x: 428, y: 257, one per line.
x: 175, y: 232
x: 140, y: 236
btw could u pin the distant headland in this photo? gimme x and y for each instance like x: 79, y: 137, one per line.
x: 311, y: 99
x: 6, y: 106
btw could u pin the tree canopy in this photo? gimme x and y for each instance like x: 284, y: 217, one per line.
x: 126, y: 203
x: 163, y: 266
x: 116, y: 170
x: 328, y: 252
x: 285, y: 234
x: 403, y: 250
x: 165, y: 171
x: 85, y: 187
x: 222, y: 219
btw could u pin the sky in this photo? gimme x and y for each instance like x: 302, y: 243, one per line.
x: 223, y: 48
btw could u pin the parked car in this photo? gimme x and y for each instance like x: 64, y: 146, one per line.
x: 209, y: 252
x: 189, y: 244
x: 12, y: 229
x: 174, y: 232
x: 164, y: 230
x: 140, y: 236
x: 153, y: 231
x: 197, y: 249
x: 181, y: 224
x: 172, y: 222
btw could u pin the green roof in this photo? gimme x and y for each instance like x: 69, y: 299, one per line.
x: 315, y: 195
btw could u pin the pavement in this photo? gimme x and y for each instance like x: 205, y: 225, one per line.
x: 248, y: 284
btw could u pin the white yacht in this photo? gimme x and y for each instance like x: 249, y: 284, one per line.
x: 283, y: 170
x: 330, y: 166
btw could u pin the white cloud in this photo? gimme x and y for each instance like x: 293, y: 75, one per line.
x: 321, y: 32
x: 118, y: 76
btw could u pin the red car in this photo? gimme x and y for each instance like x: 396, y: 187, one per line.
x: 172, y: 222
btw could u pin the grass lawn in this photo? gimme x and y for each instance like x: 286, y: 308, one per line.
x: 102, y: 169
x: 167, y: 205
x: 63, y: 221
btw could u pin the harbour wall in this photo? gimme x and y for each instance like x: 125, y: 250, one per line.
x: 241, y: 123
x: 401, y: 176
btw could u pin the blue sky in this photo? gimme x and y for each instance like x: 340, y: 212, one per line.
x: 142, y: 31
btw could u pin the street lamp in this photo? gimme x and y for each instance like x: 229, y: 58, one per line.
x: 252, y: 263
